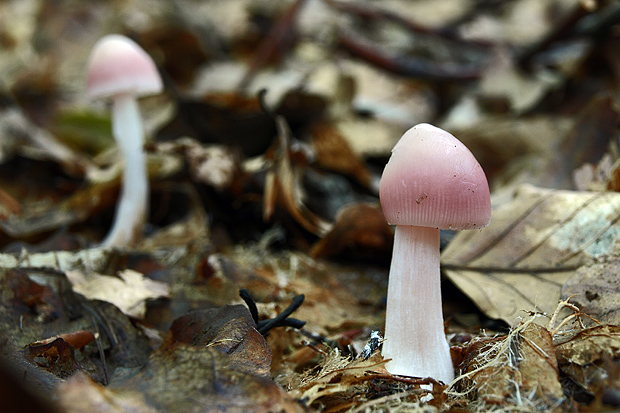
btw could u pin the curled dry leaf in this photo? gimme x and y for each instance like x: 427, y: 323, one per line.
x: 129, y: 291
x: 283, y: 187
x: 57, y: 357
x: 77, y: 340
x: 531, y: 248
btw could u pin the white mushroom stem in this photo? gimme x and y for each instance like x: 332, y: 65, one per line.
x: 132, y: 208
x: 414, y: 333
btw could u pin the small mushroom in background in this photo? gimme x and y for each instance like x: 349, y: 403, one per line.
x: 431, y: 181
x: 119, y: 69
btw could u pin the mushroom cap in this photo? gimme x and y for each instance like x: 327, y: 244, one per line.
x: 117, y: 66
x: 433, y: 180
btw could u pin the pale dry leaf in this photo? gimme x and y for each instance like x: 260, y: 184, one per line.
x: 533, y: 245
x: 129, y: 291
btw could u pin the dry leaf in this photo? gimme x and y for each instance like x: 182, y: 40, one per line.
x: 186, y: 378
x: 531, y: 248
x: 283, y: 186
x: 129, y: 291
x: 516, y: 370
x: 588, y: 358
x: 334, y: 153
x: 230, y: 330
x: 360, y: 229
x: 596, y: 291
x: 339, y: 384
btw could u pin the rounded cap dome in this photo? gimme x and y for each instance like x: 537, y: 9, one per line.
x: 433, y: 180
x: 118, y: 65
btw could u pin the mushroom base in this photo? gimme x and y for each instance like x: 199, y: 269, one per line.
x: 414, y: 330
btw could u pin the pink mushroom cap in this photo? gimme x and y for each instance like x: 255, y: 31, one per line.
x: 433, y: 180
x: 119, y: 66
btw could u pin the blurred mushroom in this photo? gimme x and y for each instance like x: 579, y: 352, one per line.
x: 119, y: 69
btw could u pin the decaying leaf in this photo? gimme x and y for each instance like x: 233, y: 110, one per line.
x: 190, y: 378
x: 595, y: 289
x: 589, y: 358
x: 531, y: 248
x: 229, y: 330
x: 340, y: 384
x: 517, y: 371
x: 57, y: 357
x: 129, y: 291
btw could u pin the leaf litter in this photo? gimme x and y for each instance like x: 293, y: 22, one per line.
x: 278, y: 194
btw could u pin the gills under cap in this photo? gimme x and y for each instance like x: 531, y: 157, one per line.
x: 433, y: 180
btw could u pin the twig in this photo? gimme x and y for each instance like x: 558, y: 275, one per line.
x: 407, y: 66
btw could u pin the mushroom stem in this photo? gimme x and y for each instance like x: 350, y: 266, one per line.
x: 132, y: 207
x: 414, y: 335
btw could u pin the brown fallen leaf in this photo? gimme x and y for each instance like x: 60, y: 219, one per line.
x: 229, y: 330
x: 57, y: 357
x: 39, y: 298
x: 100, y: 193
x: 77, y: 340
x: 334, y: 153
x: 359, y: 229
x: 531, y: 248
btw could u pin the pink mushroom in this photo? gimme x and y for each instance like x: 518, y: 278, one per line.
x: 431, y: 181
x: 119, y: 69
